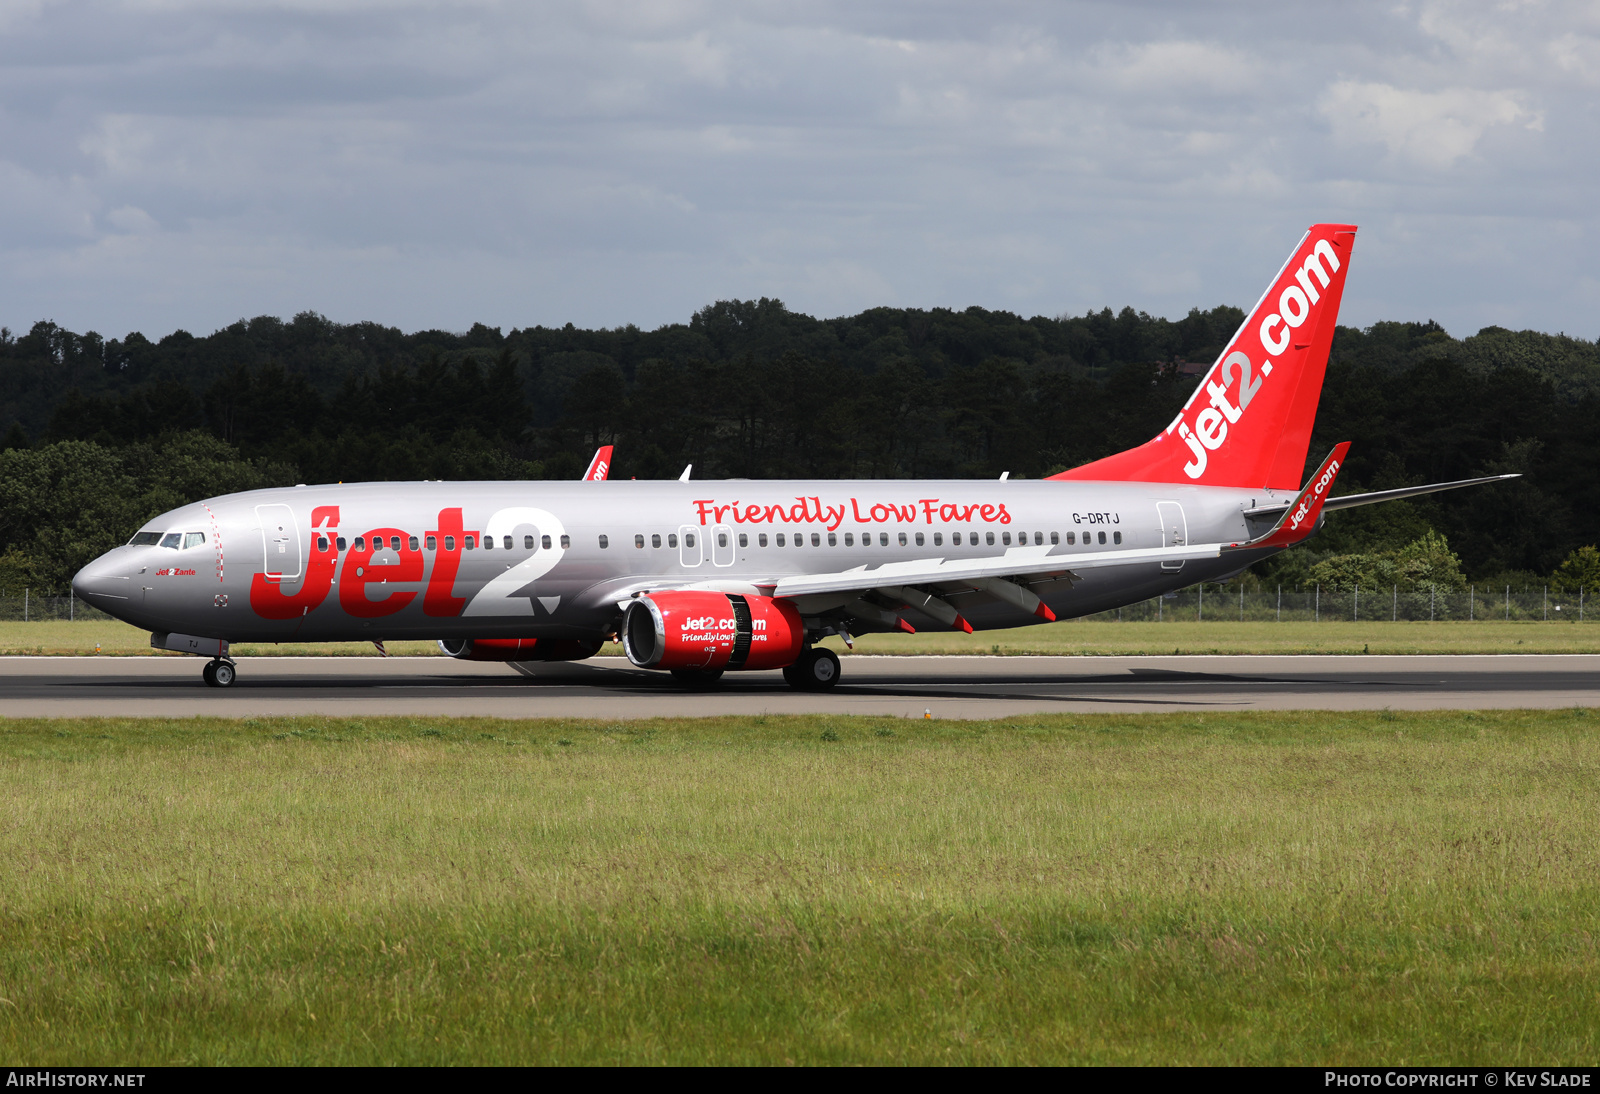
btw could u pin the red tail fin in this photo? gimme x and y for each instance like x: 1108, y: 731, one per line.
x: 600, y: 466
x: 1249, y: 422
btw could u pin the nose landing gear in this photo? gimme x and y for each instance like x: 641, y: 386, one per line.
x: 219, y: 673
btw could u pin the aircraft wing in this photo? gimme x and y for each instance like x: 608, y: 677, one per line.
x: 1017, y: 562
x: 600, y: 466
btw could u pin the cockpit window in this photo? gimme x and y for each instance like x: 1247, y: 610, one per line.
x: 145, y: 539
x: 193, y: 539
x: 172, y: 539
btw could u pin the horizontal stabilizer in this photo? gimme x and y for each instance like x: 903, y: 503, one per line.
x: 1350, y: 501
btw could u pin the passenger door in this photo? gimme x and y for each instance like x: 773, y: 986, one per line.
x: 280, y: 542
x: 1174, y: 530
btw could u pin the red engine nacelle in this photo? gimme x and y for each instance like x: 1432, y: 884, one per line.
x: 520, y: 649
x: 703, y: 630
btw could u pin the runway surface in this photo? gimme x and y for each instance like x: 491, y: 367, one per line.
x: 948, y: 687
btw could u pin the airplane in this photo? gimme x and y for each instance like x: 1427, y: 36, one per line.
x: 698, y: 578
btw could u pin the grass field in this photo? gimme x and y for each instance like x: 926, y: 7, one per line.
x: 1073, y: 637
x: 1288, y: 888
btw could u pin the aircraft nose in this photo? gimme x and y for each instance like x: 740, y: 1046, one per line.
x: 103, y: 583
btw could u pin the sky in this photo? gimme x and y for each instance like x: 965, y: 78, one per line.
x: 186, y: 163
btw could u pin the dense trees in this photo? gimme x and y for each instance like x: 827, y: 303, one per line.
x: 751, y: 389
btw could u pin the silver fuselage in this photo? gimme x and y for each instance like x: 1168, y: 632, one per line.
x: 300, y: 564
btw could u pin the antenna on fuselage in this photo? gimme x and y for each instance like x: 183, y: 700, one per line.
x: 685, y: 476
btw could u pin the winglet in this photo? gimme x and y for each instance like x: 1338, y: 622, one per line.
x: 600, y: 466
x: 1300, y: 518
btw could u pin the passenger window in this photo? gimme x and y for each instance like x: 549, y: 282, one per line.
x: 449, y: 543
x: 604, y: 542
x: 938, y: 539
x: 1055, y: 537
x: 340, y: 543
x: 902, y: 539
x: 488, y: 543
x: 527, y: 543
x: 173, y: 540
x: 883, y: 539
x: 781, y: 543
x: 1102, y: 537
x: 722, y: 539
x: 145, y: 539
x: 566, y: 541
x: 744, y: 540
x: 1005, y: 537
x: 322, y: 543
x: 849, y: 539
x: 411, y: 542
x: 655, y: 541
x: 955, y: 539
x: 193, y: 539
x: 672, y: 540
x: 988, y: 537
x: 1116, y: 537
x: 544, y: 541
x: 638, y: 541
x: 361, y: 543
x: 833, y: 540
x: 394, y: 543
x: 761, y: 540
x: 432, y: 543
x: 688, y: 539
x: 1072, y: 539
x: 468, y: 542
x: 919, y: 539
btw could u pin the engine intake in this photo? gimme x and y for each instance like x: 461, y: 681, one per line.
x: 704, y: 630
x: 520, y: 649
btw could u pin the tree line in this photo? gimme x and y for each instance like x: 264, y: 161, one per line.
x: 752, y: 389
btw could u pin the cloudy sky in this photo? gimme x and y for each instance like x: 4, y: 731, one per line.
x: 166, y: 163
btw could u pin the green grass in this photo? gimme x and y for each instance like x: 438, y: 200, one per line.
x: 1227, y: 888
x: 1073, y: 637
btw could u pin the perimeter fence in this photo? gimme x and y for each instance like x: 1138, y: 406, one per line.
x: 1224, y: 603
x: 29, y: 608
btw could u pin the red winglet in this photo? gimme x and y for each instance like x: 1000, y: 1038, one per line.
x: 1300, y: 518
x: 962, y: 625
x: 907, y: 627
x: 1043, y: 612
x: 600, y: 466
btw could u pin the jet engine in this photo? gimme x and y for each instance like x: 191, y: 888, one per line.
x: 711, y: 632
x: 520, y: 649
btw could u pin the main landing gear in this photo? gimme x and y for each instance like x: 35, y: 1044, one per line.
x: 817, y: 670
x: 219, y: 673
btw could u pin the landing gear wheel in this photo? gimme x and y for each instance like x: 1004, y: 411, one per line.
x: 817, y: 670
x: 219, y: 674
x: 697, y: 679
